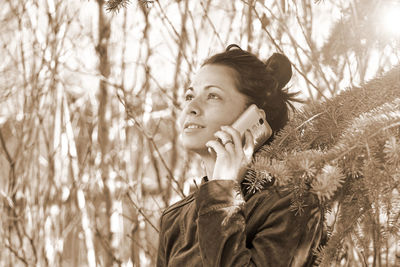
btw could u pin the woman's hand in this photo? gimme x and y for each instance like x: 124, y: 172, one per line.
x: 232, y: 157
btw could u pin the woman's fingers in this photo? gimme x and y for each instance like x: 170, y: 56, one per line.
x: 232, y: 156
x: 236, y: 138
x: 223, y: 136
x: 248, y: 148
x: 226, y: 140
x: 229, y: 133
x: 217, y: 146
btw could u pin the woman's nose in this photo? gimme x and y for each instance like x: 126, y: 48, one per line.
x: 193, y: 107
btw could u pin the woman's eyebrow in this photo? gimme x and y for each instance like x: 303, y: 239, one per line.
x: 205, y: 88
x: 189, y: 89
x: 215, y: 86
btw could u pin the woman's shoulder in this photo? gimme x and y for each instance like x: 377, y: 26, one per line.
x: 280, y: 198
x: 178, y: 205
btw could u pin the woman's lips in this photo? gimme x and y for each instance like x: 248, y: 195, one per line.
x: 191, y: 127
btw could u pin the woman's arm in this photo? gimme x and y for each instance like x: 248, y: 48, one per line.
x: 281, y: 237
x: 161, y: 247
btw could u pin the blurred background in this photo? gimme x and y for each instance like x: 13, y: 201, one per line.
x: 90, y: 92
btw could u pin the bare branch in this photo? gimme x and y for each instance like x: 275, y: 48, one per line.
x: 15, y: 252
x: 141, y: 212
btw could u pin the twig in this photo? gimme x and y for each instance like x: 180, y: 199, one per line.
x: 8, y: 156
x: 12, y: 177
x: 169, y: 22
x: 396, y: 123
x: 309, y: 43
x: 107, y: 247
x: 151, y: 140
x: 298, y: 127
x: 146, y: 250
x: 164, y: 17
x: 211, y: 24
x: 142, y: 213
x: 281, y: 51
x: 13, y: 251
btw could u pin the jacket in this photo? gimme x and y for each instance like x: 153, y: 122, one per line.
x: 216, y: 226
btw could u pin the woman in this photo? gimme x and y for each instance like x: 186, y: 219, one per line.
x: 220, y: 224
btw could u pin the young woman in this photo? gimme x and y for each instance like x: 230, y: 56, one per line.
x: 220, y: 224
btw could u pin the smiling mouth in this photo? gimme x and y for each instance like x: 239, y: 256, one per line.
x: 192, y: 128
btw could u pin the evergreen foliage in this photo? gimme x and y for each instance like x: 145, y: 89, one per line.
x: 116, y: 5
x: 346, y: 151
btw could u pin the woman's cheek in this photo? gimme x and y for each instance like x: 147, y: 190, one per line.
x: 181, y: 120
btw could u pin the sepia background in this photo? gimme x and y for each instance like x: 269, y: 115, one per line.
x: 90, y: 92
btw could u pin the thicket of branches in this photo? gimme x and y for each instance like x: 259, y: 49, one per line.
x: 90, y: 93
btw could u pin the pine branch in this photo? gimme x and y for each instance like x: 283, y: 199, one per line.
x: 334, y: 116
x: 116, y: 5
x: 344, y: 150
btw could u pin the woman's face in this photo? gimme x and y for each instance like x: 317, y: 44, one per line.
x: 212, y: 100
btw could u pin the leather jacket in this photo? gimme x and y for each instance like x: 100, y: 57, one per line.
x: 216, y: 226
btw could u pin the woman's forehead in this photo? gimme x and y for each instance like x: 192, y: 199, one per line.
x: 213, y: 74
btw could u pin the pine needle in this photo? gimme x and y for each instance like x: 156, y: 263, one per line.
x: 116, y: 5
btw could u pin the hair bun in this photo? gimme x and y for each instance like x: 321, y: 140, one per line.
x: 232, y: 47
x: 278, y: 65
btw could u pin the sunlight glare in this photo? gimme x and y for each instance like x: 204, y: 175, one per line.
x: 391, y: 20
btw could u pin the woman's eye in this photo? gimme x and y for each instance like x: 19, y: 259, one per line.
x: 188, y: 97
x: 213, y: 96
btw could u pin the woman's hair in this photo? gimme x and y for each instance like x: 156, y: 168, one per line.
x: 261, y: 82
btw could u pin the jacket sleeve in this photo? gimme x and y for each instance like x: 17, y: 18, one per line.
x: 161, y: 246
x: 277, y: 241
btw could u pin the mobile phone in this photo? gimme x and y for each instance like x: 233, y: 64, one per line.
x: 254, y: 119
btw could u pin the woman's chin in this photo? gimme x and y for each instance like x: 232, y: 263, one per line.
x: 195, y: 143
x: 196, y: 148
